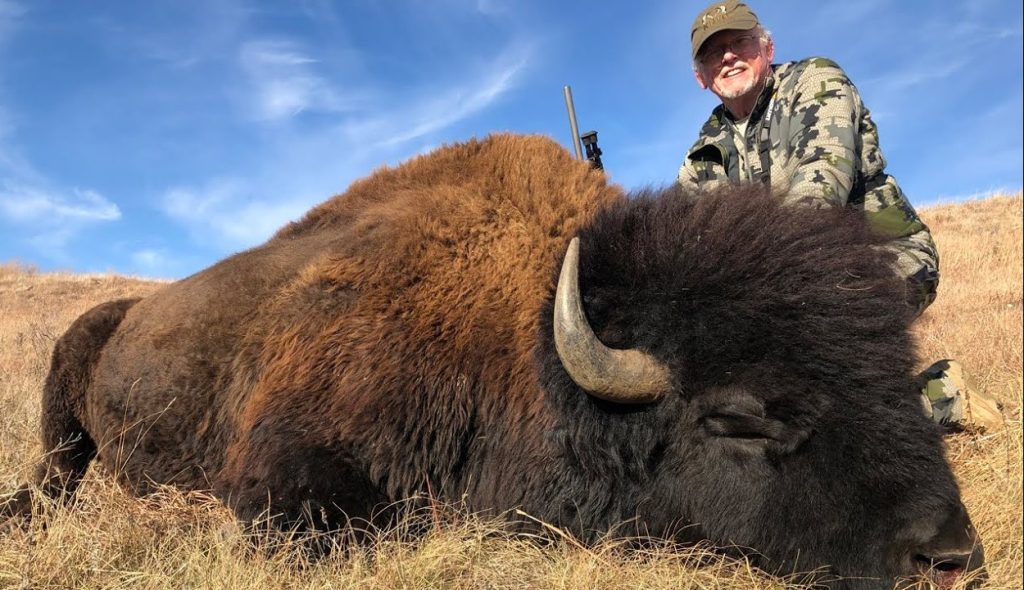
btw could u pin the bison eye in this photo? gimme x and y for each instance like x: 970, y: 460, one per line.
x: 738, y: 425
x: 735, y: 425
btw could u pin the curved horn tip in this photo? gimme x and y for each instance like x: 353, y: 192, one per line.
x: 619, y: 376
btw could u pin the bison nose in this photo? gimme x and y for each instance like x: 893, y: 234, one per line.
x: 953, y: 552
x: 945, y: 569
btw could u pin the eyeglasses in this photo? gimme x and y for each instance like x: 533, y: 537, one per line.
x: 742, y: 45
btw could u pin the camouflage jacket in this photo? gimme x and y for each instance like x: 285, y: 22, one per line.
x: 811, y: 139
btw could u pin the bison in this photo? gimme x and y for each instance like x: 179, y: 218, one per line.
x: 494, y: 323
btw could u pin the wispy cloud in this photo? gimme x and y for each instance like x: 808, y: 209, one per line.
x: 152, y: 262
x: 52, y: 244
x: 970, y: 30
x: 455, y: 106
x: 225, y: 213
x: 322, y: 113
x: 914, y: 76
x: 46, y: 219
x: 37, y: 210
x: 232, y: 211
x: 285, y: 82
x: 30, y: 204
x: 430, y: 113
x: 15, y: 170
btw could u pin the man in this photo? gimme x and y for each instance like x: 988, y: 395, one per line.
x: 802, y: 130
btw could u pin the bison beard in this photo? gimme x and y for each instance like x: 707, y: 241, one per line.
x: 399, y: 339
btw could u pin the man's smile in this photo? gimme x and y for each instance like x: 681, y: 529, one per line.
x: 733, y: 72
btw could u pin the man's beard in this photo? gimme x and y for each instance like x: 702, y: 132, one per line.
x: 741, y: 91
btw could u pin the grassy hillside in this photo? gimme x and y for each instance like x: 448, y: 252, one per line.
x: 172, y: 540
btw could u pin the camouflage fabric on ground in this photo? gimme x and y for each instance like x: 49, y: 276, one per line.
x: 951, y: 398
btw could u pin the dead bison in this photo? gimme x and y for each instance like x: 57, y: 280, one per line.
x: 699, y: 368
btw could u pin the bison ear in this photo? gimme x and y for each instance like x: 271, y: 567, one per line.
x: 750, y: 425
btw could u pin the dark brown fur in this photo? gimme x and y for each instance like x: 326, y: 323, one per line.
x: 64, y: 394
x: 397, y: 340
x: 267, y: 370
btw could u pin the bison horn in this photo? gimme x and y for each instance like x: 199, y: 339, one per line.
x: 620, y: 376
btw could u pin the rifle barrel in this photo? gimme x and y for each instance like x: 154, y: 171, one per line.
x: 572, y: 121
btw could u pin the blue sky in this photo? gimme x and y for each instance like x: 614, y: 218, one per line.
x: 154, y: 138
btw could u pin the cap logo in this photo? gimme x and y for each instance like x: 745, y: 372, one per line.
x: 713, y: 16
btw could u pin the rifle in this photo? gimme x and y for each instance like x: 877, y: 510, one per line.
x: 589, y: 139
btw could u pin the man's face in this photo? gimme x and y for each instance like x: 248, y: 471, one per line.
x: 734, y: 63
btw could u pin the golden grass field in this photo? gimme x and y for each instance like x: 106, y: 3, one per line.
x: 172, y: 540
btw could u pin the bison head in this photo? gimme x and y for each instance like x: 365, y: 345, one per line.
x: 747, y: 367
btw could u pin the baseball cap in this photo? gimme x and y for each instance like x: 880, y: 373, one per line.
x: 721, y: 16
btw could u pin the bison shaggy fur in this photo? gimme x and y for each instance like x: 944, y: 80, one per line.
x: 397, y: 340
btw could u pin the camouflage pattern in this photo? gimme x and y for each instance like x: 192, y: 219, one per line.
x: 950, y: 397
x: 812, y: 140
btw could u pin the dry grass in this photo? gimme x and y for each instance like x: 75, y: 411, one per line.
x: 174, y: 540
